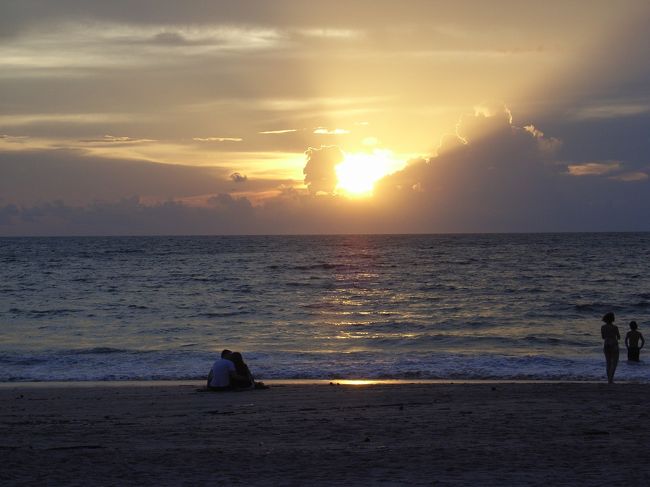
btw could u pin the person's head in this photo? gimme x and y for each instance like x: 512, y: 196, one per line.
x: 633, y: 325
x: 609, y: 318
x: 226, y: 353
x: 236, y: 358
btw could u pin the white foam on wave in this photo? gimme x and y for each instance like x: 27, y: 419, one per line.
x: 98, y: 365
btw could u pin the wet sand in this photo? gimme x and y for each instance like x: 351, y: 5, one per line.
x: 386, y: 434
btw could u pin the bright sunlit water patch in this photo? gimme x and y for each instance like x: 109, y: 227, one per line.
x: 359, y: 172
x: 360, y: 382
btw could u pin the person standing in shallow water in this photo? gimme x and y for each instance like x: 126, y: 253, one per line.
x: 632, y: 342
x: 611, y: 336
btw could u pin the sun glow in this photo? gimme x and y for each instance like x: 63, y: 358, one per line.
x: 359, y: 172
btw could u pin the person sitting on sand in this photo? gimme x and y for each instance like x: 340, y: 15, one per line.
x: 244, y: 372
x: 611, y: 336
x: 223, y: 374
x: 245, y: 379
x: 632, y: 342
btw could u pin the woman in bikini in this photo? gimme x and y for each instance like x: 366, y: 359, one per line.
x: 611, y: 336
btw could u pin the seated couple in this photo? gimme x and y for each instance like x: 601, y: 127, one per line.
x: 230, y: 372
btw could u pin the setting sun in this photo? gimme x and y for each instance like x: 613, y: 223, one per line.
x: 358, y: 172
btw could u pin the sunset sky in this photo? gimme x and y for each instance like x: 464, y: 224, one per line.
x: 257, y: 117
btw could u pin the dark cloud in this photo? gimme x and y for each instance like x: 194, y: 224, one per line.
x: 603, y: 139
x: 8, y: 213
x: 496, y: 176
x: 297, y: 13
x: 289, y: 213
x: 125, y: 217
x: 230, y: 204
x: 238, y: 177
x: 319, y: 171
x: 27, y: 177
x: 176, y: 39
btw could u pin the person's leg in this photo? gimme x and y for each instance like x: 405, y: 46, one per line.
x: 608, y: 362
x: 614, y: 362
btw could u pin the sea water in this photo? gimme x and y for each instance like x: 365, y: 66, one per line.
x: 511, y: 306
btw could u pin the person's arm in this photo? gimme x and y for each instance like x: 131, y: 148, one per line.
x: 237, y: 378
x: 233, y: 375
x: 210, y: 375
x: 642, y: 340
x: 602, y: 332
x: 618, y: 335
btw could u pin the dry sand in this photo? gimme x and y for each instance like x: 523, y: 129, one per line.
x: 413, y: 434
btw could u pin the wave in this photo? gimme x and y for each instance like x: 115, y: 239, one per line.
x: 602, y: 308
x: 44, y: 312
x: 97, y: 350
x: 325, y: 266
x: 102, y: 364
x: 222, y: 314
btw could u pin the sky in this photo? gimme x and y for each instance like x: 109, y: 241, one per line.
x: 148, y: 117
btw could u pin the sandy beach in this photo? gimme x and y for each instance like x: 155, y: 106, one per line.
x: 407, y: 434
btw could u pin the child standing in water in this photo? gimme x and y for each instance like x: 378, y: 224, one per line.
x: 609, y: 332
x: 632, y: 342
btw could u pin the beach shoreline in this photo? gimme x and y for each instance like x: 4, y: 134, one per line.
x: 288, y: 382
x: 487, y: 433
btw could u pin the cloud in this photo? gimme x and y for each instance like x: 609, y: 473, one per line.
x: 8, y: 213
x: 13, y: 138
x: 290, y: 212
x: 217, y: 139
x: 593, y: 168
x: 68, y: 118
x: 370, y: 141
x: 611, y: 110
x: 631, y: 176
x: 320, y: 175
x: 329, y: 33
x: 489, y: 175
x: 285, y: 131
x: 119, y: 139
x: 32, y: 176
x: 129, y: 216
x: 174, y: 38
x: 238, y: 178
x: 325, y: 131
x: 546, y: 144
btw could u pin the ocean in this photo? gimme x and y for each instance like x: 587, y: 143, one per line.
x: 457, y: 307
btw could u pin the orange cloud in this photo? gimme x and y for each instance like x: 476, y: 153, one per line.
x: 631, y: 176
x: 593, y: 168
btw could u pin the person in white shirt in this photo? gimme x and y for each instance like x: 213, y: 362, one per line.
x: 223, y: 373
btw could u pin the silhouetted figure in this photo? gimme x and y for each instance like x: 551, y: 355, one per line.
x: 632, y: 342
x: 223, y: 374
x: 245, y: 378
x: 611, y: 336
